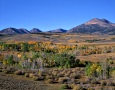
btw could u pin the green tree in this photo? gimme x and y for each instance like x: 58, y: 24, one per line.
x: 65, y: 60
x: 25, y: 47
x: 93, y: 70
x: 10, y: 60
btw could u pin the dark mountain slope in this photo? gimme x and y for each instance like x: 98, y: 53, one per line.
x: 60, y: 30
x: 14, y: 31
x: 35, y: 30
x: 95, y: 25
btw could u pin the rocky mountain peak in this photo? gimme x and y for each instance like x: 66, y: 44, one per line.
x: 35, y: 30
x: 95, y: 25
x: 59, y: 30
x: 100, y: 22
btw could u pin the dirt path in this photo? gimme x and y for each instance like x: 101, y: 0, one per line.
x: 13, y: 82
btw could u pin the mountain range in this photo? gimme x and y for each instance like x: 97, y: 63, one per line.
x: 14, y: 31
x: 93, y: 26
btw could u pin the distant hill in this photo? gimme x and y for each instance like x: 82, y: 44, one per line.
x: 100, y: 26
x: 93, y: 26
x: 60, y: 30
x: 35, y: 30
x: 14, y: 31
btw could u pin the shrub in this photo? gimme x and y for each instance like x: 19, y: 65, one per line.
x: 67, y: 74
x: 31, y: 75
x: 77, y: 87
x: 73, y: 85
x: 35, y: 78
x: 77, y: 82
x: 62, y: 80
x: 93, y: 70
x: 111, y: 88
x: 49, y: 81
x: 26, y: 74
x: 0, y: 70
x: 74, y: 75
x: 42, y: 73
x: 64, y: 86
x: 6, y: 71
x: 103, y: 83
x: 100, y: 88
x: 94, y: 81
x: 92, y: 89
x: 5, y: 62
x: 49, y: 77
x: 41, y: 78
x: 10, y: 60
x: 60, y: 75
x: 109, y: 83
x: 19, y: 72
x: 113, y: 74
x: 55, y: 73
x: 88, y: 80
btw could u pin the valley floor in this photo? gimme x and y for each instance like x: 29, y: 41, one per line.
x: 13, y: 82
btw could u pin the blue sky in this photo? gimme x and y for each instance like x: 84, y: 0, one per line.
x: 52, y: 14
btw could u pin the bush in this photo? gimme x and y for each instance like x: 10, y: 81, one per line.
x: 62, y: 80
x: 31, y: 75
x: 19, y: 72
x: 49, y: 77
x: 26, y: 74
x: 92, y: 89
x: 50, y: 81
x: 10, y: 60
x: 0, y: 70
x: 77, y: 87
x: 88, y: 80
x: 6, y: 71
x: 73, y: 85
x: 60, y: 75
x: 41, y: 78
x: 35, y: 78
x: 94, y: 81
x: 109, y: 83
x: 54, y: 73
x: 42, y: 73
x: 75, y: 76
x: 65, y: 86
x: 113, y: 75
x: 103, y: 83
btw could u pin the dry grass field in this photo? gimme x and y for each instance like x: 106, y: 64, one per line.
x: 46, y: 48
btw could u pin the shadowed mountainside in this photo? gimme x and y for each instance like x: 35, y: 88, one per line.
x: 35, y: 30
x: 14, y: 31
x: 60, y: 30
x: 93, y: 26
x: 101, y: 26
